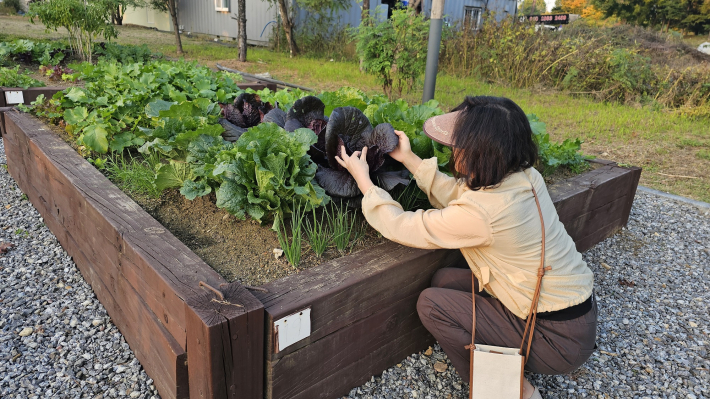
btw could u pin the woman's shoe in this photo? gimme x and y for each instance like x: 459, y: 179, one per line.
x: 536, y: 394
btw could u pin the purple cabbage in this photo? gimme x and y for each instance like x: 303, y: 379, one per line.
x: 350, y: 128
x: 247, y: 110
x: 307, y: 112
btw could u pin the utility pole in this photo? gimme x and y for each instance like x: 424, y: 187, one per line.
x: 432, y: 57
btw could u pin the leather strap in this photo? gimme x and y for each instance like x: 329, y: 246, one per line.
x: 532, y: 315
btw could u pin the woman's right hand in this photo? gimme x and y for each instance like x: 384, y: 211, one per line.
x: 403, y: 149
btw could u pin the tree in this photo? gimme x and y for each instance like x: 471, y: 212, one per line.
x: 241, y: 18
x: 693, y: 15
x: 120, y: 9
x: 366, y: 11
x: 311, y: 6
x: 532, y: 7
x: 391, y: 50
x: 171, y: 7
x: 571, y: 6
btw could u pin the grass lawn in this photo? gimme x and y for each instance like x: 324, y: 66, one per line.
x: 674, y: 150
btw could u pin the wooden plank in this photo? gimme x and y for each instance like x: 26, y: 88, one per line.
x: 330, y: 367
x: 226, y: 343
x: 587, y: 193
x: 353, y: 287
x: 161, y: 355
x: 129, y: 258
x: 163, y: 269
x: 55, y: 186
x: 345, y: 291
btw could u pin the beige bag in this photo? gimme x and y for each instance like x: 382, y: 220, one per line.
x: 497, y: 372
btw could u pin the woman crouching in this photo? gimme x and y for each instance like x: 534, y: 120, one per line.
x: 490, y: 211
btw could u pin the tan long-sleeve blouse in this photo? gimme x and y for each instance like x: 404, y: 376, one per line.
x: 498, y: 232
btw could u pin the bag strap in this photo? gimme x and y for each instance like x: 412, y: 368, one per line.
x: 532, y: 315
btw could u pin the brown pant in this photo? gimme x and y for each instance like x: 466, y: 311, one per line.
x: 558, y: 347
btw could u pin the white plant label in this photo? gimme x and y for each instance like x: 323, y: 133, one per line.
x: 293, y: 328
x: 14, y: 97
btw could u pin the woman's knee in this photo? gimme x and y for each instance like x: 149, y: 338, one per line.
x: 425, y: 303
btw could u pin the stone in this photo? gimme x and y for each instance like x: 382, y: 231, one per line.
x: 26, y: 331
x: 440, y: 367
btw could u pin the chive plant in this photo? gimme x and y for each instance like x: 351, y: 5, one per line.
x: 292, y: 246
x: 344, y: 227
x: 319, y: 232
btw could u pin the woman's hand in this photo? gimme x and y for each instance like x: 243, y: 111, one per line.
x: 403, y: 149
x: 357, y: 165
x: 403, y: 153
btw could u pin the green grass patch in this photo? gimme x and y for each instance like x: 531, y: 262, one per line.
x: 703, y: 154
x: 133, y: 175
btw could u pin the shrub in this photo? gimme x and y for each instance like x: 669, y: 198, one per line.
x: 84, y: 21
x: 11, y: 7
x: 619, y: 63
x: 392, y: 50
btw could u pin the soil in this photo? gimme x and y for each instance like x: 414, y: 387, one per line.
x: 240, y: 250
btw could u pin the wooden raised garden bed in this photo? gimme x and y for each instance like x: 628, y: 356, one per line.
x: 194, y: 342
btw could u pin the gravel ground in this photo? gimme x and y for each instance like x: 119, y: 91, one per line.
x: 56, y: 339
x: 652, y: 284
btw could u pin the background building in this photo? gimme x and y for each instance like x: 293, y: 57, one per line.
x: 214, y: 17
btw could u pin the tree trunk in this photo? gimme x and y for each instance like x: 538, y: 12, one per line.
x: 172, y: 7
x: 288, y: 28
x: 242, y: 37
x: 118, y: 16
x: 416, y: 5
x: 365, y: 10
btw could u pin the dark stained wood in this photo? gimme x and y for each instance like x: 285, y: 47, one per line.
x: 353, y: 287
x: 232, y: 327
x: 353, y: 355
x: 583, y: 202
x: 140, y: 272
x: 340, y: 293
x: 161, y: 355
x: 161, y: 266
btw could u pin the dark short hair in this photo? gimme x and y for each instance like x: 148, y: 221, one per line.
x: 491, y: 139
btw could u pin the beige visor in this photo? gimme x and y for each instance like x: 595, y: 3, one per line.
x: 441, y: 128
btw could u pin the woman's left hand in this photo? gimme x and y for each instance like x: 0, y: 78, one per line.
x: 357, y: 165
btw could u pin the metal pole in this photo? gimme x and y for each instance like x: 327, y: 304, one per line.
x: 432, y: 56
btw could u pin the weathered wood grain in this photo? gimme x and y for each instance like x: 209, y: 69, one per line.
x: 139, y: 271
x: 232, y: 326
x: 118, y: 231
x: 341, y: 293
x: 353, y: 355
x: 583, y: 202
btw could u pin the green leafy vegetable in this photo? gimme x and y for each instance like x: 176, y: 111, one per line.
x: 266, y: 171
x: 552, y: 156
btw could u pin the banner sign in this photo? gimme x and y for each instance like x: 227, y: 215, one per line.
x: 555, y: 19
